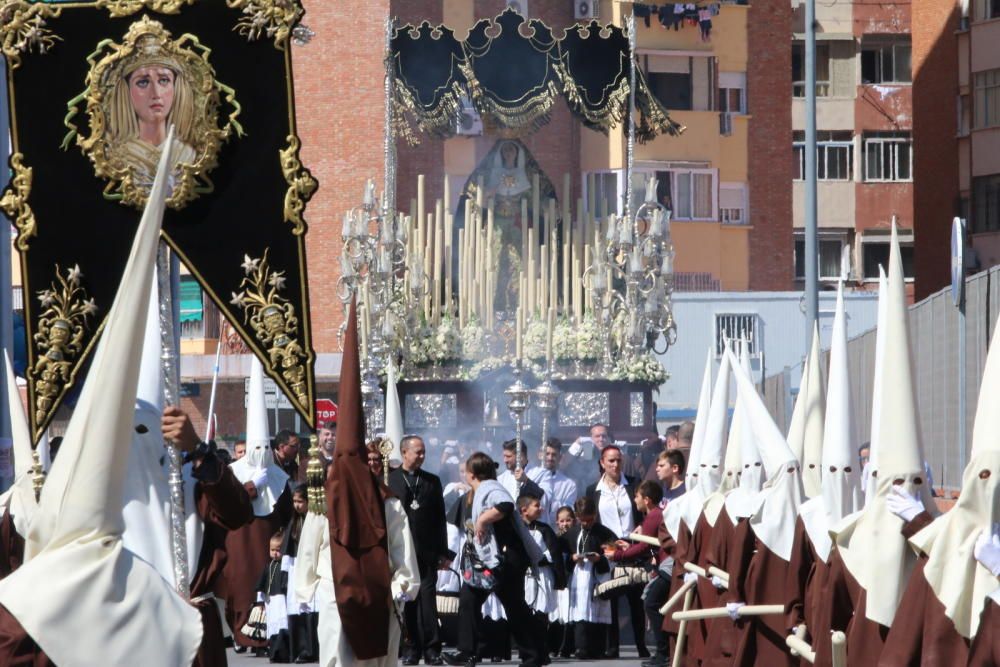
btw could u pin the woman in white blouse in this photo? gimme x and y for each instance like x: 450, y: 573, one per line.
x: 614, y: 495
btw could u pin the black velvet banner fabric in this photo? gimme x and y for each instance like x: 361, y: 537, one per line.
x: 514, y: 70
x: 241, y: 214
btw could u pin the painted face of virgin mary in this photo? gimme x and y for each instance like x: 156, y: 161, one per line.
x: 151, y: 90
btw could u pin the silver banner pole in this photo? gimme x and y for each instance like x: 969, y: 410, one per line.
x: 170, y: 367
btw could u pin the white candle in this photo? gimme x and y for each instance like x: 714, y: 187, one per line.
x: 550, y: 332
x: 519, y: 325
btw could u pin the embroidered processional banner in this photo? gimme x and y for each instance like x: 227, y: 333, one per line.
x: 94, y: 88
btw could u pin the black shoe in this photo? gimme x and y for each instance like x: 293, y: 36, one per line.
x: 611, y: 654
x: 459, y: 658
x: 655, y: 661
x: 240, y: 649
x: 581, y: 655
x: 411, y: 660
x: 643, y: 652
x: 433, y: 659
x: 303, y: 659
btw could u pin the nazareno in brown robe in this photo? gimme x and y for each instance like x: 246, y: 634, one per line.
x: 706, y: 594
x: 804, y: 585
x: 675, y: 547
x: 723, y: 636
x: 11, y: 545
x: 985, y: 649
x: 237, y: 582
x: 757, y: 576
x: 842, y: 607
x: 223, y: 505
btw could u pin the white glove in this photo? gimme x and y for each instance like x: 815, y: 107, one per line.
x: 733, y: 608
x: 690, y: 577
x: 402, y: 596
x: 987, y: 552
x: 902, y: 504
x: 260, y: 479
x: 718, y: 582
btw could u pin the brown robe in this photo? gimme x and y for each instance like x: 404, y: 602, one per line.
x: 17, y: 648
x: 706, y: 595
x: 842, y: 606
x: 681, y: 545
x: 985, y: 650
x: 11, y: 545
x: 806, y: 578
x: 923, y: 635
x: 723, y: 636
x: 223, y: 505
x: 237, y: 582
x: 757, y: 576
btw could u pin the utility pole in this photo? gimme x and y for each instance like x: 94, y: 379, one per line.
x: 811, y: 245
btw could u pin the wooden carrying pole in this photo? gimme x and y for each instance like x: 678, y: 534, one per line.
x: 672, y: 602
x: 799, y: 647
x: 839, y: 643
x: 697, y: 569
x: 721, y: 574
x: 722, y: 612
x: 682, y: 630
x: 645, y: 539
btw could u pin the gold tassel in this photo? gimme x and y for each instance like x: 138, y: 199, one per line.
x: 316, y: 478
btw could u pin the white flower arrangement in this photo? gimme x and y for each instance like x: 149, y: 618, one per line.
x: 447, y: 342
x: 589, y: 345
x: 419, y: 347
x: 473, y: 342
x: 641, y: 368
x: 535, y: 339
x: 564, y: 341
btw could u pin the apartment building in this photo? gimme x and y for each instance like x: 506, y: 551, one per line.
x: 864, y: 123
x: 957, y: 111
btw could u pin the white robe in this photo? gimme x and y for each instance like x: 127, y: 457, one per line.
x: 314, y: 577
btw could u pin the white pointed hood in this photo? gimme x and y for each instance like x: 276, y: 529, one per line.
x: 700, y: 423
x: 148, y: 531
x: 259, y: 456
x: 956, y: 577
x: 20, y: 498
x: 730, y: 469
x: 704, y: 463
x: 393, y: 416
x: 777, y: 504
x: 101, y: 600
x: 867, y: 481
x: 841, y: 486
x: 797, y: 426
x: 812, y: 450
x: 741, y: 502
x: 874, y: 551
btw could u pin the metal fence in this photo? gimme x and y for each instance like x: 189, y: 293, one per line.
x: 934, y: 350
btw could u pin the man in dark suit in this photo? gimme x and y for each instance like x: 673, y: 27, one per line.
x: 423, y: 500
x: 290, y: 457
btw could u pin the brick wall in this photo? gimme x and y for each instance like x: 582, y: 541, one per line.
x: 769, y: 145
x: 339, y: 101
x: 935, y: 159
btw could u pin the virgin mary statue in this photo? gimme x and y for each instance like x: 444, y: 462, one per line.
x: 506, y: 175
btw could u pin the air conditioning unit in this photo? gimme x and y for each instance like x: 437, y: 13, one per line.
x: 469, y: 123
x: 725, y: 123
x: 585, y: 9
